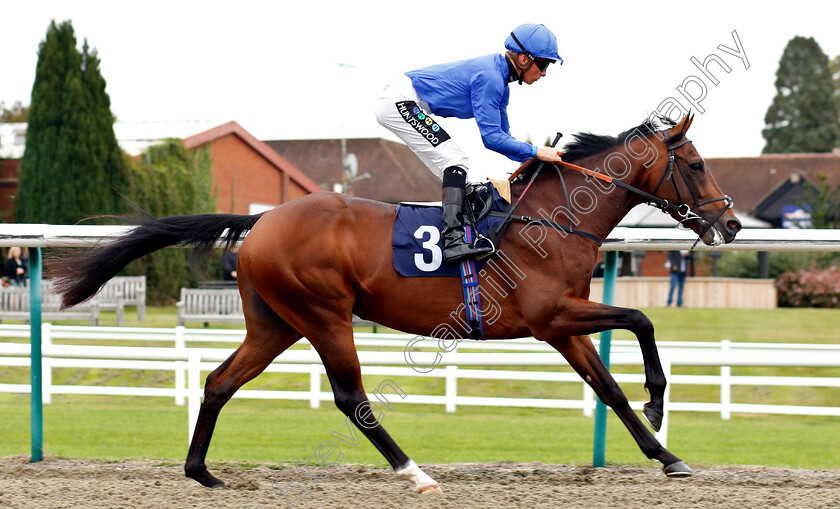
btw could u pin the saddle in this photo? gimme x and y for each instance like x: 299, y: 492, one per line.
x: 478, y: 201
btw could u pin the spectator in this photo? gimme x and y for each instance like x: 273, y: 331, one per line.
x: 229, y: 264
x: 16, y: 268
x: 678, y: 263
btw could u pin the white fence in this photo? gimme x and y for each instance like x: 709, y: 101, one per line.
x: 187, y: 363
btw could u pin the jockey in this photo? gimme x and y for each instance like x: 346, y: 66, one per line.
x: 475, y: 88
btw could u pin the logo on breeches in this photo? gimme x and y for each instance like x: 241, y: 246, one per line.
x: 422, y: 123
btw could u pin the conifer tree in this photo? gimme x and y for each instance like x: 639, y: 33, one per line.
x: 72, y: 167
x: 803, y: 116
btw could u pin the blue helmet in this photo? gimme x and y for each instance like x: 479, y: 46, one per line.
x: 534, y: 40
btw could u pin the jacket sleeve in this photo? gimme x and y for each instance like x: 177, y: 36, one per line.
x: 489, y: 99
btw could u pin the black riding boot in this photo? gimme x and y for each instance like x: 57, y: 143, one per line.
x: 455, y: 248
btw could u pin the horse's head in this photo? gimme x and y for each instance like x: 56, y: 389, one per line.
x: 686, y: 182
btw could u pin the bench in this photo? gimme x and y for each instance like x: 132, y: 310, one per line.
x: 124, y: 291
x: 110, y: 298
x: 204, y: 285
x: 14, y: 304
x: 209, y: 305
x: 221, y: 305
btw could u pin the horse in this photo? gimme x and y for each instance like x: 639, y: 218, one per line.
x: 307, y: 266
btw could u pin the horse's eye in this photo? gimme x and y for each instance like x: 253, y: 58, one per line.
x: 697, y: 166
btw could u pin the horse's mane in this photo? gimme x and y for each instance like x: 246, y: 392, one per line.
x: 587, y: 144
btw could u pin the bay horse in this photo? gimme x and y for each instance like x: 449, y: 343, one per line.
x: 306, y: 267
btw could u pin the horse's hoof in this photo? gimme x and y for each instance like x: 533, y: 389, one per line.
x: 215, y: 483
x: 206, y: 479
x: 652, y: 416
x: 677, y: 470
x: 432, y: 488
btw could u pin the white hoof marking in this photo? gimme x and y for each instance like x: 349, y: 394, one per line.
x: 422, y: 482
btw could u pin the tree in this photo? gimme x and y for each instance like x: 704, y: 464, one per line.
x: 170, y: 180
x: 803, y: 116
x: 823, y: 201
x: 72, y: 167
x: 17, y: 113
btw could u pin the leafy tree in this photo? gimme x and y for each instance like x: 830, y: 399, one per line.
x: 17, y: 113
x: 804, y: 114
x: 170, y: 180
x: 823, y: 202
x: 72, y: 167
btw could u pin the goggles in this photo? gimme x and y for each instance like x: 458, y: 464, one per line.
x: 542, y: 63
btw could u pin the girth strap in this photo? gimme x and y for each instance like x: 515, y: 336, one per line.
x: 472, y: 293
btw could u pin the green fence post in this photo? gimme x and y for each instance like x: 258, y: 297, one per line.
x: 36, y: 394
x: 600, y: 439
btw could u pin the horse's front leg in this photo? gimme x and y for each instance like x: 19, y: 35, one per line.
x: 581, y: 354
x: 584, y: 317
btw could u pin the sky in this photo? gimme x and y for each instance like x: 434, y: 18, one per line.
x: 306, y: 70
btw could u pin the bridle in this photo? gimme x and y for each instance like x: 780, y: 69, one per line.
x: 682, y: 209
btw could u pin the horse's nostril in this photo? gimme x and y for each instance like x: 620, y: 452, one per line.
x: 733, y: 225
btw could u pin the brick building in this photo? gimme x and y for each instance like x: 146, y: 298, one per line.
x: 249, y: 175
x: 763, y: 186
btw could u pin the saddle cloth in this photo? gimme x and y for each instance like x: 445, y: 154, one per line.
x: 418, y: 243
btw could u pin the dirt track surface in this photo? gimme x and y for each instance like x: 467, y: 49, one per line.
x: 56, y: 483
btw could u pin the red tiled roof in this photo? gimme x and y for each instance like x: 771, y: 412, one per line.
x: 396, y: 174
x: 749, y: 180
x: 260, y: 147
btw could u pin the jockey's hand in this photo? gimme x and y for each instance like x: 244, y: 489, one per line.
x: 549, y: 154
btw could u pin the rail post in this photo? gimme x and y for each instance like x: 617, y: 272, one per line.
x: 35, y: 370
x: 600, y: 439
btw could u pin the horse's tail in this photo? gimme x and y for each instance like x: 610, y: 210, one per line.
x: 78, y: 278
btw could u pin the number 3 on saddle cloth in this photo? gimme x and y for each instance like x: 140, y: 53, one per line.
x: 418, y: 250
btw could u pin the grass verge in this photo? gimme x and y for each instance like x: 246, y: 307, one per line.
x: 108, y: 428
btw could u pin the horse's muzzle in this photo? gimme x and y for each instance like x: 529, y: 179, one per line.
x: 722, y: 232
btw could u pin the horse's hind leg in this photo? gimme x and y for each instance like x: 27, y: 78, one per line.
x: 341, y: 362
x: 582, y: 356
x: 267, y: 337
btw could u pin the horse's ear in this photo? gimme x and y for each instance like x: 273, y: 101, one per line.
x: 685, y: 123
x: 680, y: 129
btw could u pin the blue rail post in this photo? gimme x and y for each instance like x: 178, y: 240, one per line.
x: 36, y: 394
x: 600, y: 440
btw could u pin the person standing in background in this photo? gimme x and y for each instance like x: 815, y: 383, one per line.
x: 229, y: 264
x: 678, y: 261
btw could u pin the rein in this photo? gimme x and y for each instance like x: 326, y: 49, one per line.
x: 497, y: 233
x: 682, y: 209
